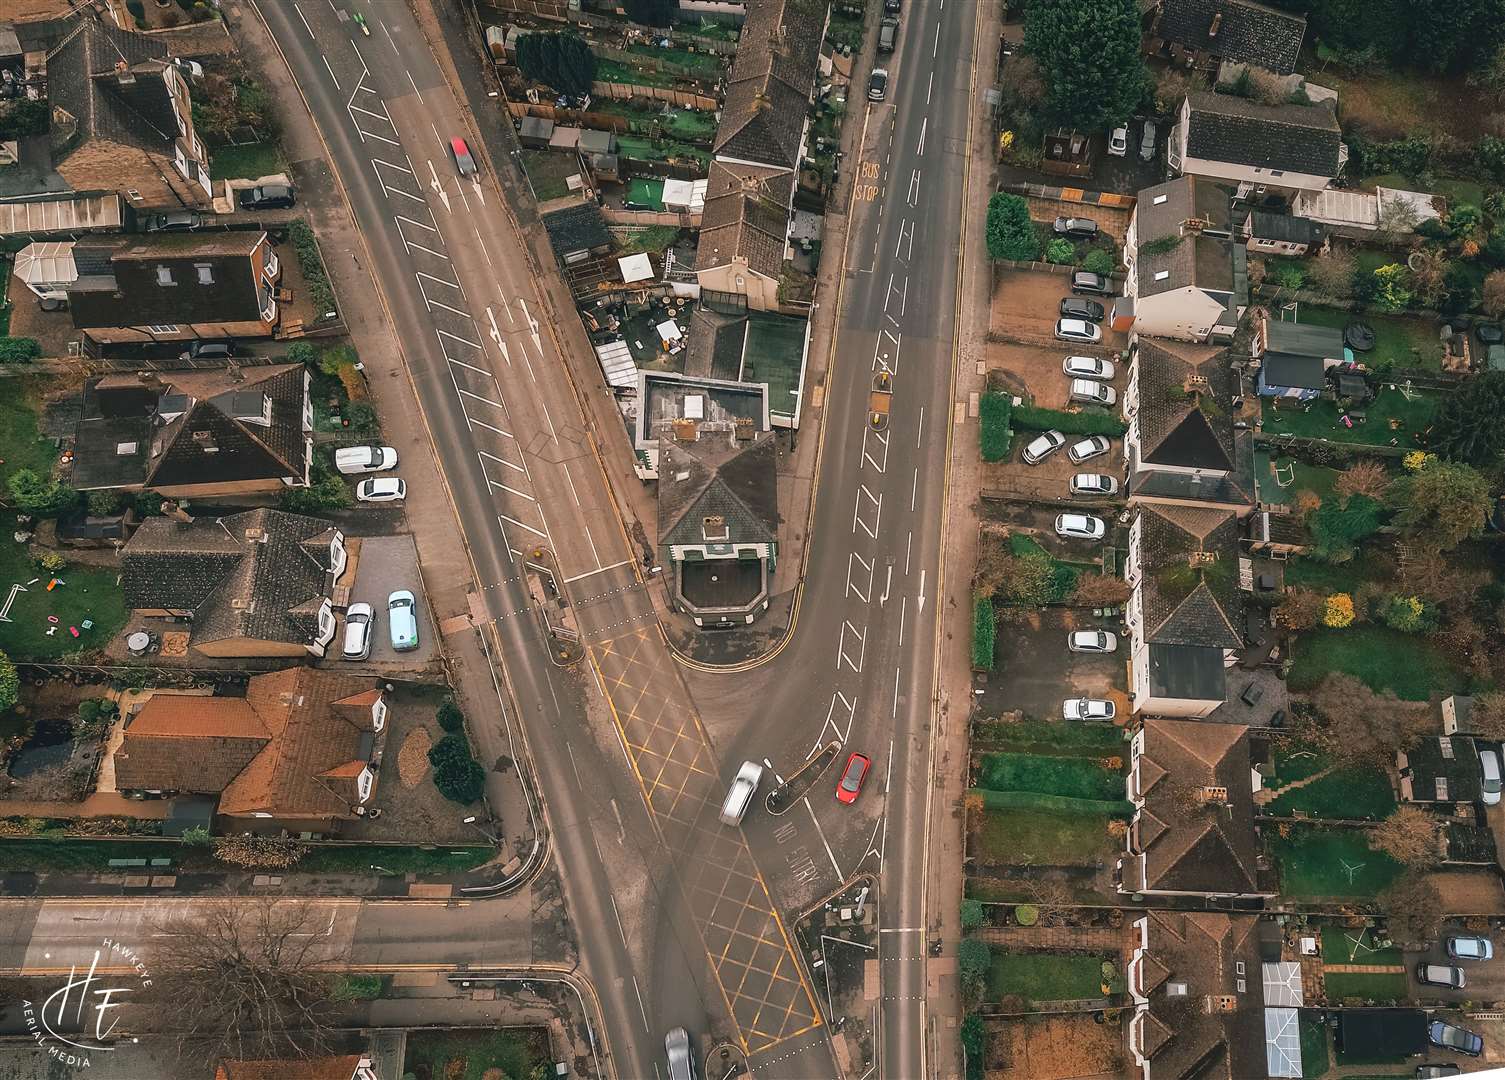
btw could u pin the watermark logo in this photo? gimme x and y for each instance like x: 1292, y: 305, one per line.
x: 80, y: 1017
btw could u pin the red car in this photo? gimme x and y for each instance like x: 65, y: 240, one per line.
x: 463, y: 161
x: 852, y: 776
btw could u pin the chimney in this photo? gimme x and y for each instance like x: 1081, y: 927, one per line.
x: 685, y: 431
x: 744, y: 429
x: 1211, y: 794
x: 1201, y: 558
x: 123, y: 73
x: 1195, y: 384
x: 1217, y: 22
x: 171, y: 509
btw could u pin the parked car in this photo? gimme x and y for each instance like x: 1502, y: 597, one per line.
x: 1431, y: 1072
x: 175, y: 221
x: 1089, y: 367
x: 1043, y: 446
x: 1470, y: 947
x: 463, y: 159
x: 739, y: 797
x: 888, y: 35
x: 1147, y: 142
x: 893, y: 7
x: 1081, y: 526
x: 1440, y: 975
x: 1092, y: 641
x: 1093, y: 483
x: 1118, y: 141
x: 1089, y: 448
x: 850, y: 784
x: 1452, y: 1037
x: 358, y: 626
x: 364, y: 459
x: 1076, y: 307
x: 1090, y: 709
x: 1085, y: 281
x: 1489, y: 333
x: 380, y: 489
x: 1079, y: 228
x: 1077, y: 330
x: 190, y: 68
x: 877, y: 84
x: 681, y: 1061
x: 402, y: 620
x: 267, y: 197
x: 1092, y: 393
x: 209, y: 350
x: 1489, y: 784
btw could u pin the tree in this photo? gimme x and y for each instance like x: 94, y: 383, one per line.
x: 1488, y: 715
x: 972, y: 915
x: 655, y: 13
x: 461, y: 781
x: 1462, y: 221
x: 450, y: 750
x: 1466, y: 426
x: 10, y: 684
x: 1414, y: 910
x: 1365, y: 477
x: 1439, y: 580
x: 1429, y: 276
x: 449, y: 716
x: 326, y: 490
x: 1493, y: 297
x: 973, y: 959
x: 40, y: 496
x: 1332, y: 274
x: 1089, y: 54
x: 1409, y: 836
x: 562, y: 60
x: 1338, y: 611
x: 1100, y: 590
x: 1010, y: 232
x: 1446, y: 501
x: 1099, y: 261
x: 1340, y: 524
x: 1391, y: 290
x: 1397, y: 218
x: 1300, y: 609
x: 246, y: 978
x: 1360, y: 727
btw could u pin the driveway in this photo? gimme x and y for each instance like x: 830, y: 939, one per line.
x: 1038, y: 368
x: 1485, y: 980
x: 1035, y: 671
x: 385, y: 565
x: 1026, y: 305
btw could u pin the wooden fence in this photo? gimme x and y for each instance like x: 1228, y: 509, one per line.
x: 650, y: 217
x: 683, y: 98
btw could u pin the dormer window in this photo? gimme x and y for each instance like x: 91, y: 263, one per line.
x: 365, y: 783
x: 252, y: 408
x: 379, y: 714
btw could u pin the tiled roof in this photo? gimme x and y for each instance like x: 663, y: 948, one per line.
x: 117, y: 282
x: 1191, y: 430
x: 740, y: 486
x: 1186, y: 209
x: 1206, y: 847
x: 769, y: 87
x: 187, y: 743
x: 215, y: 439
x: 576, y: 228
x: 260, y: 574
x: 82, y: 81
x: 1284, y: 228
x: 324, y: 1068
x: 1246, y: 32
x: 746, y: 216
x: 1288, y: 138
x: 1186, y: 604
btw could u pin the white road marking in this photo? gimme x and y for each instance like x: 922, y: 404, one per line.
x: 326, y: 65
x: 500, y: 461
x: 510, y: 490
x: 903, y: 608
x: 924, y: 123
x: 914, y: 485
x: 595, y: 555
x: 644, y: 1013
x: 928, y: 87
x: 834, y: 864
x: 520, y: 525
x: 419, y: 247
x: 367, y: 112
x: 437, y: 187
x: 921, y: 430
x: 477, y: 397
x: 597, y: 570
x: 441, y: 281
x: 839, y: 735
x: 452, y: 310
x: 571, y: 481
x: 937, y: 44
x: 893, y: 715
x: 476, y: 345
x: 468, y: 367
x: 304, y: 22
x: 908, y: 545
x: 922, y: 591
x: 852, y: 585
x: 877, y: 501
x: 409, y: 74
x: 420, y: 224
x: 399, y: 168
x: 841, y: 653
x: 482, y: 245
x: 913, y: 196
x: 473, y: 422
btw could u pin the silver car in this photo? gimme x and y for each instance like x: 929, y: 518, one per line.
x: 1092, y: 641
x: 1080, y: 527
x: 358, y: 626
x: 1043, y: 446
x: 1091, y: 483
x: 681, y: 1060
x: 1088, y: 448
x: 1089, y: 367
x: 1078, y: 330
x: 743, y: 788
x: 1091, y: 709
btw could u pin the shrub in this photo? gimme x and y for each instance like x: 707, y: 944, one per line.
x: 10, y: 684
x: 40, y: 496
x: 972, y: 914
x: 1405, y: 613
x: 1415, y: 460
x: 1299, y: 609
x: 18, y: 350
x: 449, y: 750
x: 259, y: 852
x: 974, y: 1036
x: 561, y: 60
x: 1010, y: 232
x: 311, y: 263
x: 302, y: 352
x: 196, y: 836
x: 1026, y: 914
x: 1391, y: 292
x: 995, y: 411
x: 1060, y: 250
x: 1086, y: 422
x: 103, y: 503
x: 1099, y: 261
x: 1489, y: 154
x: 1338, y: 525
x: 973, y: 959
x: 359, y: 988
x: 449, y: 716
x: 984, y: 634
x: 1339, y: 611
x: 94, y: 718
x: 326, y: 491
x: 463, y: 782
x: 1290, y: 276
x: 52, y: 562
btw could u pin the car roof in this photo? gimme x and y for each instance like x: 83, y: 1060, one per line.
x: 458, y: 145
x: 399, y: 594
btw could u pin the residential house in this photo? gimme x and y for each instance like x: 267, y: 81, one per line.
x: 1185, y: 278
x: 195, y: 434
x: 1294, y: 357
x: 174, y: 287
x: 122, y: 118
x: 1281, y: 149
x: 1270, y: 233
x: 759, y: 145
x: 255, y: 584
x: 1185, y: 613
x: 1198, y: 1002
x: 1183, y: 444
x: 341, y: 1067
x: 1361, y: 214
x: 1192, y: 834
x: 1203, y: 33
x: 300, y: 751
x: 1440, y: 769
x: 664, y: 399
x: 718, y: 519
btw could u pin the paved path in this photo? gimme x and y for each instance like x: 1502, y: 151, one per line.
x: 1085, y: 938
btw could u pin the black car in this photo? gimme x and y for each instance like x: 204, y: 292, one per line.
x: 1074, y: 307
x: 267, y: 197
x: 1085, y: 281
x: 209, y: 350
x: 1078, y: 228
x: 175, y: 221
x: 893, y: 7
x: 1489, y: 333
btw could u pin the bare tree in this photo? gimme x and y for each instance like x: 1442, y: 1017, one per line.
x: 1398, y: 218
x: 1488, y: 715
x: 1411, y: 836
x: 1360, y: 727
x: 246, y: 978
x: 1364, y: 477
x: 1428, y: 573
x: 1414, y: 909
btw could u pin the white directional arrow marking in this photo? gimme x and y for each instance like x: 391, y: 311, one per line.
x: 532, y: 324
x: 922, y: 590
x: 496, y: 336
x: 437, y: 186
x: 476, y: 183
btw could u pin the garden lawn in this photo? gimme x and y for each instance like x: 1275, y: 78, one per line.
x: 1313, y: 1048
x: 1304, y: 477
x: 400, y: 859
x: 1343, y: 793
x: 1037, y: 977
x: 1074, y: 777
x: 1327, y: 577
x: 477, y: 1055
x: 1293, y: 762
x: 1355, y: 945
x: 87, y: 594
x: 1381, y: 658
x: 1063, y: 575
x: 612, y: 71
x: 248, y: 162
x: 547, y: 172
x: 1044, y: 838
x: 1331, y: 863
x: 636, y: 146
x: 1052, y: 737
x: 21, y: 446
x: 1319, y: 419
x: 703, y: 65
x: 1407, y: 341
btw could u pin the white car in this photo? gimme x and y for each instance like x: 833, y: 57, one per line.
x: 1092, y: 641
x: 739, y: 797
x: 1118, y: 141
x: 1043, y: 446
x: 1092, y: 483
x: 381, y: 489
x: 1089, y: 448
x: 364, y: 459
x: 1089, y: 367
x: 1489, y: 785
x: 358, y: 624
x: 1087, y: 708
x: 1078, y: 330
x: 1081, y: 526
x: 1092, y: 393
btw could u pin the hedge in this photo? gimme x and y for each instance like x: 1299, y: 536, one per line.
x: 1086, y: 422
x: 311, y: 263
x: 984, y: 633
x: 18, y: 350
x: 1035, y: 800
x: 994, y: 412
